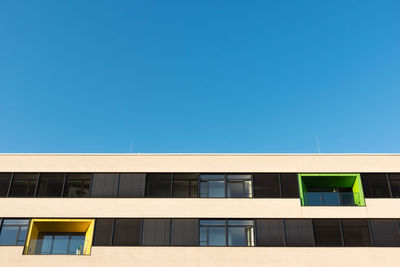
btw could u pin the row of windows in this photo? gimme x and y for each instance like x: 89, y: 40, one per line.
x: 155, y: 185
x: 187, y: 185
x: 229, y: 232
x: 247, y: 232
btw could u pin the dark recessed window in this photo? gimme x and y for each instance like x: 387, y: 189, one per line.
x: 289, y: 185
x: 212, y: 233
x: 385, y: 232
x: 13, y: 232
x: 266, y: 185
x: 327, y: 233
x: 24, y: 185
x: 50, y: 184
x: 185, y: 185
x: 5, y: 178
x: 241, y: 233
x: 127, y: 232
x: 103, y: 232
x: 132, y: 185
x: 212, y: 185
x: 375, y: 185
x: 356, y: 233
x: 299, y: 233
x: 270, y: 233
x: 156, y: 232
x: 239, y: 186
x: 158, y: 185
x: 105, y: 185
x: 77, y: 185
x: 184, y: 232
x: 394, y: 180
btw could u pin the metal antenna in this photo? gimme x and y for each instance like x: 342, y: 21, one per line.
x: 131, y: 146
x: 318, y: 144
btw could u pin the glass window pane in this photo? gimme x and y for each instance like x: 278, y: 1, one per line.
x: 76, y: 244
x: 22, y: 235
x: 394, y: 179
x: 158, y: 185
x: 127, y: 232
x: 270, y: 232
x: 105, y: 185
x: 184, y: 232
x: 385, y: 232
x: 103, y: 232
x: 289, y: 185
x: 15, y: 221
x: 185, y: 185
x: 60, y: 244
x: 216, y: 236
x: 132, y: 185
x: 8, y: 235
x: 212, y: 222
x: 327, y: 233
x: 299, y: 233
x: 203, y: 236
x: 77, y: 185
x: 50, y: 184
x: 212, y: 177
x: 237, y: 188
x: 356, y: 233
x: 212, y: 185
x: 237, y: 236
x: 5, y: 178
x: 216, y: 189
x: 24, y: 185
x: 375, y: 185
x: 156, y: 232
x: 266, y: 185
x: 44, y: 244
x: 240, y: 222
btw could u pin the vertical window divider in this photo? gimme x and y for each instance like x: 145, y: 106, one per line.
x: 370, y: 232
x: 198, y: 192
x: 388, y: 183
x: 284, y: 232
x: 255, y: 231
x: 170, y: 232
x: 91, y: 184
x: 9, y: 186
x: 37, y: 184
x: 118, y: 180
x: 252, y: 186
x: 341, y: 231
x: 141, y: 232
x: 225, y: 185
x: 112, y: 232
x: 280, y: 185
x: 63, y: 187
x: 172, y: 185
x: 145, y: 186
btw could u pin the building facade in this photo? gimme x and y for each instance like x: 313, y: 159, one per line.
x: 199, y: 209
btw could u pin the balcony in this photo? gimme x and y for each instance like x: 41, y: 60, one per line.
x: 331, y: 199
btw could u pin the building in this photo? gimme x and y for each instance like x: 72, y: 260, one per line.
x: 199, y: 210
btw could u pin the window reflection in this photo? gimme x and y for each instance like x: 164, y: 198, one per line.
x: 13, y: 232
x: 239, y: 185
x: 212, y: 185
x: 60, y: 243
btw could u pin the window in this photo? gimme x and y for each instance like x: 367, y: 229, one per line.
x: 60, y: 244
x: 103, y: 232
x: 13, y: 232
x: 385, y: 232
x: 375, y: 185
x: 127, y: 232
x: 212, y: 233
x: 327, y: 233
x: 394, y: 179
x: 241, y: 233
x: 289, y: 185
x: 5, y: 178
x: 239, y: 185
x: 184, y: 232
x: 212, y: 185
x: 77, y: 185
x: 132, y: 185
x: 23, y: 185
x: 299, y: 233
x: 356, y: 233
x: 270, y: 233
x: 266, y: 185
x: 185, y: 185
x: 50, y: 184
x: 105, y: 185
x: 156, y: 232
x: 158, y: 185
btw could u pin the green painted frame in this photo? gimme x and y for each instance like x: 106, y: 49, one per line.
x: 350, y: 180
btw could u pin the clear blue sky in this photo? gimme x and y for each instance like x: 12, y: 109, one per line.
x: 199, y: 76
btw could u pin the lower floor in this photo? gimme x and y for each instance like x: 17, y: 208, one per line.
x: 209, y: 256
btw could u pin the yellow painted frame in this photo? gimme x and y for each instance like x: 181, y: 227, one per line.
x: 59, y: 225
